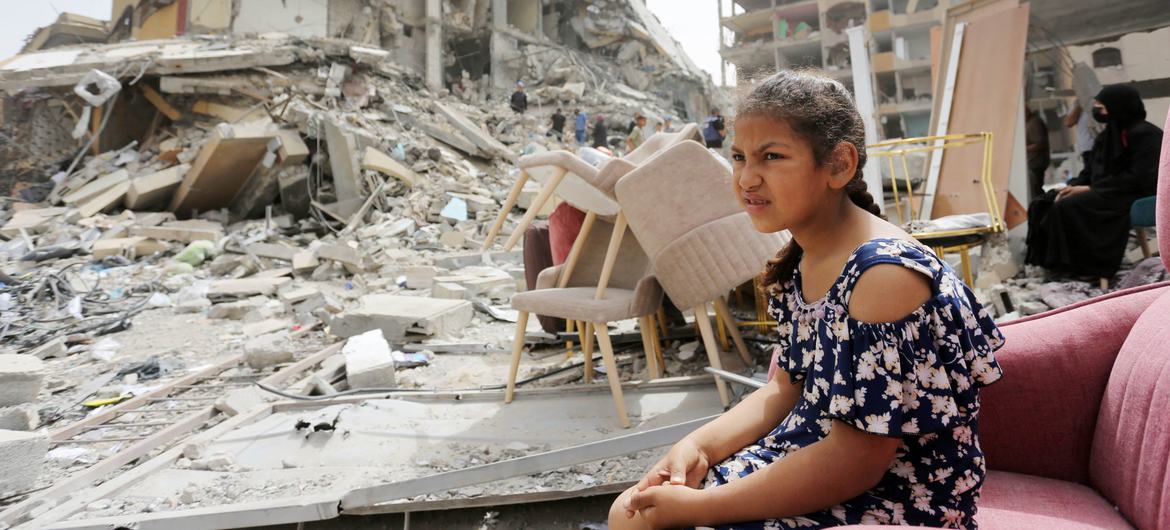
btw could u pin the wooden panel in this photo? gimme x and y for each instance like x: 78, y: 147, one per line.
x: 987, y: 94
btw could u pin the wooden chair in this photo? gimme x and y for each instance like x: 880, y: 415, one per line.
x: 910, y: 214
x: 602, y: 289
x: 681, y: 207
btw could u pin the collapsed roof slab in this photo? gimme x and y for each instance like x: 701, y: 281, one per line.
x: 65, y: 66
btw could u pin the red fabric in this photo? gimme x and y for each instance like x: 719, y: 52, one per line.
x: 1131, y: 450
x: 1039, y: 418
x: 1162, y: 203
x: 563, y: 226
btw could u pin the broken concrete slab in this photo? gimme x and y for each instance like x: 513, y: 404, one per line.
x: 368, y: 361
x: 154, y: 189
x: 450, y: 291
x: 295, y: 195
x: 398, y: 315
x: 105, y: 201
x: 451, y: 138
x: 305, y: 261
x: 49, y: 350
x: 131, y: 247
x: 242, y: 400
x: 297, y: 295
x: 22, y: 455
x: 272, y: 250
x: 343, y: 254
x: 236, y: 310
x: 473, y: 132
x: 19, y: 418
x: 21, y: 379
x: 420, y: 276
x: 32, y: 221
x: 383, y: 163
x: 221, y: 289
x: 96, y: 187
x: 264, y: 327
x: 222, y: 166
x: 268, y: 350
x: 183, y: 231
x: 343, y: 162
x: 227, y: 113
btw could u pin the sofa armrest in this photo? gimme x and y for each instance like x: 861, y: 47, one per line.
x: 1040, y: 417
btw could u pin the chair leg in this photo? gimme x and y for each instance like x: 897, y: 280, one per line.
x: 662, y: 321
x: 1144, y: 241
x: 965, y: 257
x: 517, y: 349
x: 721, y: 331
x: 644, y: 325
x: 1104, y: 284
x: 587, y: 350
x: 513, y: 196
x: 657, y: 343
x: 569, y: 327
x: 611, y: 372
x: 733, y: 328
x: 543, y: 197
x: 712, y: 348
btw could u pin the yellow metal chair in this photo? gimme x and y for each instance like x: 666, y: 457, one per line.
x: 909, y: 214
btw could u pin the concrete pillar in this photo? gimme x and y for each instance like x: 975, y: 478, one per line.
x: 434, y: 58
x: 499, y: 13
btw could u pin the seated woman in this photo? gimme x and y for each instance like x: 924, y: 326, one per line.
x: 873, y: 414
x: 1083, y: 229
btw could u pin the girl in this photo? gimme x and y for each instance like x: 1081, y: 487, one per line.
x: 872, y: 416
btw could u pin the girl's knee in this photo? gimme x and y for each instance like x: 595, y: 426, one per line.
x: 618, y: 519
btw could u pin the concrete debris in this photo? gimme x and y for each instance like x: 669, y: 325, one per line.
x: 242, y: 400
x: 19, y: 418
x: 396, y: 316
x: 22, y: 456
x: 368, y: 361
x: 268, y: 350
x: 21, y: 379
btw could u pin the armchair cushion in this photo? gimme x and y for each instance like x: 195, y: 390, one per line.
x: 1012, y: 500
x: 579, y: 303
x: 1040, y: 419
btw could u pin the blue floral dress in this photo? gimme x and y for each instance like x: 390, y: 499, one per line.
x: 916, y: 379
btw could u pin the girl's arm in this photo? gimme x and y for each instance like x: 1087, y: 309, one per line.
x: 748, y: 421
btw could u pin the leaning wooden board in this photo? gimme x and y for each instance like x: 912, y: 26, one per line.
x: 987, y: 96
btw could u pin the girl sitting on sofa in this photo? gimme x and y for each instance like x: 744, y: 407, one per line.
x: 872, y: 416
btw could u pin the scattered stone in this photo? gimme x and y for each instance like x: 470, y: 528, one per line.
x: 398, y: 315
x: 268, y: 350
x: 22, y: 455
x: 236, y: 310
x: 19, y: 418
x: 368, y: 361
x: 242, y: 400
x: 21, y: 379
x: 449, y: 291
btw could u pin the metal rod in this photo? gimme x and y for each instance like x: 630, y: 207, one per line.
x: 735, y: 378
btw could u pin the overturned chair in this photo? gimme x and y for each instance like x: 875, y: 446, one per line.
x: 565, y: 173
x: 681, y: 207
x: 601, y: 289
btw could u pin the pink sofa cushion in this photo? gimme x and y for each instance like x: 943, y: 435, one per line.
x: 1039, y: 419
x: 1014, y: 500
x: 1131, y: 449
x: 1162, y: 203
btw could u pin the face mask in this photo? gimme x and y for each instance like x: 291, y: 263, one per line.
x: 1100, y: 116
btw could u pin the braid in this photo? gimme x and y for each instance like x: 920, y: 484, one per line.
x: 859, y: 193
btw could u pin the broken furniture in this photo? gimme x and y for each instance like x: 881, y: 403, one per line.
x: 557, y: 168
x: 601, y: 290
x: 953, y: 233
x: 681, y: 207
x: 1141, y: 217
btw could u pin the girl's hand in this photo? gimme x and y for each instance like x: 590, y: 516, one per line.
x: 667, y: 506
x: 685, y: 465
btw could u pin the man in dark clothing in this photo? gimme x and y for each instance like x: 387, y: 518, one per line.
x: 715, y: 130
x: 519, y: 99
x: 558, y: 125
x: 600, y: 134
x: 1036, y: 135
x: 1083, y: 230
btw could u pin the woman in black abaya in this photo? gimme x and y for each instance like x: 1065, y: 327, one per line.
x: 1083, y: 229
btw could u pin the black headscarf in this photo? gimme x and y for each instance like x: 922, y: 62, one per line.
x: 1125, y: 107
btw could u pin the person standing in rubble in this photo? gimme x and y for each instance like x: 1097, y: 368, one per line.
x: 580, y: 123
x: 715, y: 130
x: 519, y: 99
x: 637, y: 134
x: 1083, y: 229
x: 600, y: 133
x: 1036, y: 137
x: 558, y: 126
x: 872, y: 412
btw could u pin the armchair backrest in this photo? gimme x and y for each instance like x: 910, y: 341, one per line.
x: 631, y: 266
x: 681, y: 206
